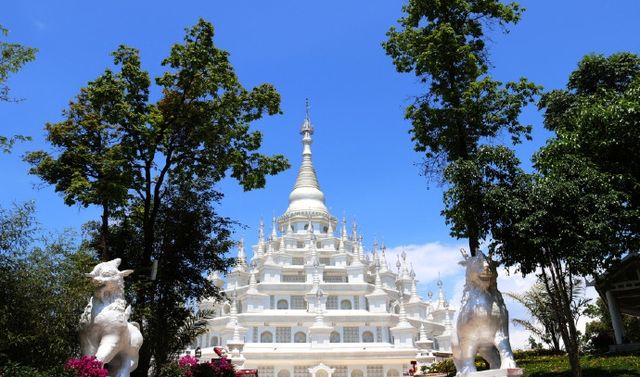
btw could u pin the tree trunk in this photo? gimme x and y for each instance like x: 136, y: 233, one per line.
x: 105, y: 254
x: 561, y: 302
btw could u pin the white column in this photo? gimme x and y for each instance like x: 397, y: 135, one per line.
x: 616, y: 318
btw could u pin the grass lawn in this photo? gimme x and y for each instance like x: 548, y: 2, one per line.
x: 592, y: 366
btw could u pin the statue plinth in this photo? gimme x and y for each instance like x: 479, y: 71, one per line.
x: 509, y: 372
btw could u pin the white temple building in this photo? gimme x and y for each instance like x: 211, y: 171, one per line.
x: 312, y: 302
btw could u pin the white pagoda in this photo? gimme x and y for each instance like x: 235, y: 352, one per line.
x: 313, y: 303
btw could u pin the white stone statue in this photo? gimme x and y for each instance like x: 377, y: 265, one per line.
x: 105, y: 330
x: 483, y: 321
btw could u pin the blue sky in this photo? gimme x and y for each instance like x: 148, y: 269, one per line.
x: 328, y: 51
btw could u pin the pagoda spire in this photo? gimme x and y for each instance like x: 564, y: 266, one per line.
x: 261, y: 231
x: 242, y: 257
x: 384, y: 267
x: 441, y: 299
x: 306, y: 194
x: 261, y: 238
x: 307, y: 174
x: 274, y: 233
x: 354, y: 231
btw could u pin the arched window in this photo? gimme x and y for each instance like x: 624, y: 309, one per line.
x: 357, y: 373
x: 283, y: 304
x: 226, y: 308
x: 345, y: 305
x: 284, y: 373
x: 393, y: 373
x: 334, y: 337
x: 213, y: 342
x: 266, y: 337
x: 367, y: 337
x: 300, y: 337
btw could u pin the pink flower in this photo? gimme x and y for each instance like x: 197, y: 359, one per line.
x: 187, y: 362
x: 86, y: 366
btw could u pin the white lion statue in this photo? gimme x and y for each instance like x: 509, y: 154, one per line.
x: 105, y: 330
x: 483, y: 322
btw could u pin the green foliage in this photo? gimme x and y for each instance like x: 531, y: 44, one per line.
x: 16, y: 370
x: 578, y: 214
x: 549, y: 363
x: 543, y: 325
x: 43, y: 292
x: 443, y: 44
x: 153, y: 168
x: 12, y: 57
x: 447, y: 366
x: 596, y: 120
x: 172, y: 369
x: 592, y: 366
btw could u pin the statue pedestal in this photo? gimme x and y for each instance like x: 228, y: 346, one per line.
x: 510, y: 372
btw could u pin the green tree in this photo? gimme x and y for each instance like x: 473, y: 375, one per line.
x: 597, y: 119
x: 444, y: 44
x: 149, y: 163
x: 578, y: 213
x: 543, y: 323
x: 43, y: 293
x: 559, y: 223
x: 12, y: 57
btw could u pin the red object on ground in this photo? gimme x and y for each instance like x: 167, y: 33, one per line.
x: 222, y: 353
x: 247, y: 373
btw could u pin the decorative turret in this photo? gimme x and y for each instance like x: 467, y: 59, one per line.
x: 261, y: 248
x: 384, y: 267
x: 216, y: 279
x: 241, y: 260
x: 424, y: 356
x: 378, y: 299
x: 274, y: 233
x: 354, y: 231
x: 441, y: 301
x: 414, y: 291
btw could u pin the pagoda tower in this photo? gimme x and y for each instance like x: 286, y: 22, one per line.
x: 313, y: 302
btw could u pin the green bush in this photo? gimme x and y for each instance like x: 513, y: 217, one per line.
x: 523, y: 354
x: 447, y: 366
x: 16, y: 370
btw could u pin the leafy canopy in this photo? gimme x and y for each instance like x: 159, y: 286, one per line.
x: 153, y: 167
x: 443, y: 43
x: 12, y: 57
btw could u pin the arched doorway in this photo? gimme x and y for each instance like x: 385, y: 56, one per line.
x: 284, y: 373
x: 321, y: 370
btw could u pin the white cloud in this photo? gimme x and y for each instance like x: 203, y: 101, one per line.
x: 428, y: 260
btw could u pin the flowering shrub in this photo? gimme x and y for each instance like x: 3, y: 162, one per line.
x: 86, y: 366
x: 188, y: 366
x: 187, y: 363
